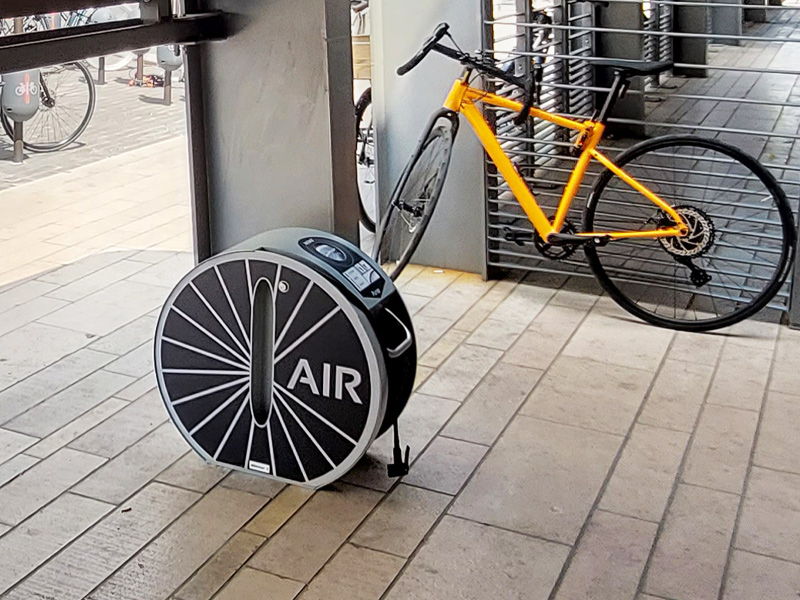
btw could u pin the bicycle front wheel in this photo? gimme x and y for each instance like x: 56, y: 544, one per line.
x: 67, y: 104
x: 365, y: 160
x: 736, y: 255
x: 412, y: 204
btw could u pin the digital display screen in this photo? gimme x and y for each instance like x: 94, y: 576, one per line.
x: 362, y: 275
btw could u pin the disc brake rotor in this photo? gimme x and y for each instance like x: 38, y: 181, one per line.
x: 698, y: 241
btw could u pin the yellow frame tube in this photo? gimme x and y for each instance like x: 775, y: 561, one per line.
x: 462, y: 98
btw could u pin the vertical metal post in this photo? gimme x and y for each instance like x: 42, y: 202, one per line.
x: 101, y: 71
x: 139, y: 77
x: 167, y: 87
x: 794, y: 293
x: 19, y: 148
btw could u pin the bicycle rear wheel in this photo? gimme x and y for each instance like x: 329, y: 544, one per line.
x: 67, y: 104
x: 414, y: 199
x: 365, y: 161
x: 738, y: 251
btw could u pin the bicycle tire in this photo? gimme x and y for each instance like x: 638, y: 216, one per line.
x: 714, y: 242
x: 403, y: 213
x: 363, y: 138
x: 72, y: 136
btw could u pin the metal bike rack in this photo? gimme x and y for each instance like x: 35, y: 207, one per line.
x: 286, y: 356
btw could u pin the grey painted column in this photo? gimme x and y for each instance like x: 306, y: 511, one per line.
x: 275, y: 112
x: 726, y: 20
x: 401, y: 107
x: 691, y: 19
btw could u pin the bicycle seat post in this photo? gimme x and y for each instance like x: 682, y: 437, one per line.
x: 614, y: 93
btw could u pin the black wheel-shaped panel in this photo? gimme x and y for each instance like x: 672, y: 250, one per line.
x: 289, y: 386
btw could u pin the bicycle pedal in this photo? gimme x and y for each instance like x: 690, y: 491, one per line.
x: 518, y: 237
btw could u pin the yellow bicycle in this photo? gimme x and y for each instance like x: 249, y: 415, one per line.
x: 684, y: 232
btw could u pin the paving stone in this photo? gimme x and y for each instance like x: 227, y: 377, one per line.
x: 523, y: 304
x: 494, y: 333
x: 57, y: 411
x: 250, y: 584
x: 443, y: 348
x: 422, y: 374
x: 770, y: 520
x: 609, y: 335
x: 484, y: 307
x: 421, y: 420
x: 677, y: 395
x: 753, y: 576
x: 192, y: 473
x: 430, y: 282
x: 471, y: 561
x: 402, y: 520
x: 28, y: 312
x: 541, y: 478
x: 23, y: 293
x: 407, y: 275
x: 778, y: 446
x: 96, y: 281
x: 414, y: 303
x: 303, y: 546
x: 169, y: 272
x: 31, y: 391
x: 109, y: 309
x: 539, y: 345
x: 20, y: 358
x: 609, y: 404
x: 488, y: 409
x: 253, y: 484
x: 125, y: 428
x: 741, y: 377
x: 697, y: 348
x: 16, y: 466
x: 31, y: 544
x: 786, y: 369
x: 446, y: 465
x: 137, y: 465
x: 753, y: 333
x: 694, y: 544
x: 12, y: 443
x: 458, y: 298
x: 94, y: 556
x: 77, y: 427
x: 186, y: 545
x: 720, y: 452
x: 354, y: 574
x: 460, y: 373
x: 279, y: 510
x: 213, y: 575
x: 428, y: 330
x: 138, y: 388
x: 127, y: 338
x: 645, y: 474
x: 610, y: 558
x: 40, y: 484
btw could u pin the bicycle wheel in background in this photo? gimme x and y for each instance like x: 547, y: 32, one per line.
x: 67, y: 104
x: 412, y: 204
x: 738, y: 251
x: 365, y: 160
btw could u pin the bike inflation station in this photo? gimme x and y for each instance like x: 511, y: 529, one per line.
x: 286, y: 351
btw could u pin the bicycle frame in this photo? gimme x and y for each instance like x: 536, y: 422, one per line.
x: 462, y: 99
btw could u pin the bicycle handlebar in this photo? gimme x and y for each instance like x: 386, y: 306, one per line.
x: 431, y: 42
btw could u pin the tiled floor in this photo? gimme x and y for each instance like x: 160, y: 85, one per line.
x: 561, y: 449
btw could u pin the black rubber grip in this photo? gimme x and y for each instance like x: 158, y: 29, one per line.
x: 437, y: 36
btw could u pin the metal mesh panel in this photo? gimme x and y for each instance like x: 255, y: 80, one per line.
x: 739, y: 87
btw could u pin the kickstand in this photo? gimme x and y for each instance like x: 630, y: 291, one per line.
x: 400, y: 465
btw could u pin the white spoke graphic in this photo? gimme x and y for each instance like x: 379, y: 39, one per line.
x: 203, y: 372
x: 204, y: 353
x: 219, y: 409
x: 217, y: 317
x: 308, y: 333
x: 291, y: 443
x: 296, y: 310
x: 208, y: 334
x: 269, y: 440
x: 305, y: 430
x: 233, y: 308
x: 249, y: 444
x: 289, y: 394
x: 210, y: 391
x: 249, y: 283
x: 232, y: 425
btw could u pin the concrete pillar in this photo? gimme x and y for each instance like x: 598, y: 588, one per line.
x: 272, y: 107
x: 456, y: 237
x: 726, y: 20
x: 691, y: 19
